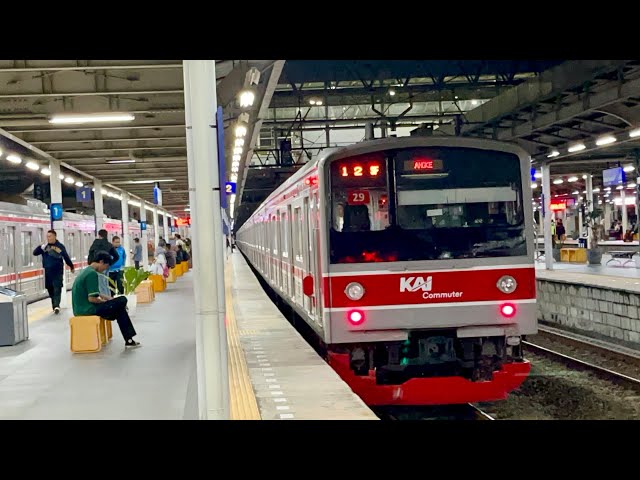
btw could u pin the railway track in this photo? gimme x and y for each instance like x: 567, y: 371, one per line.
x: 467, y: 411
x: 582, y: 365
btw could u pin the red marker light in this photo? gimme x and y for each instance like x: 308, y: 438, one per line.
x: 508, y: 310
x: 356, y: 317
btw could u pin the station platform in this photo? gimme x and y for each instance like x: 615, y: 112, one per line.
x: 273, y: 373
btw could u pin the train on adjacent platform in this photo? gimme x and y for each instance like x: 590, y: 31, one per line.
x: 412, y: 261
x: 24, y: 227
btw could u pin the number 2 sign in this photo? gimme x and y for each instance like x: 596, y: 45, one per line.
x: 358, y: 197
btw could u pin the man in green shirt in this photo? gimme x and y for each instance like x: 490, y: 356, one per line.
x: 87, y: 299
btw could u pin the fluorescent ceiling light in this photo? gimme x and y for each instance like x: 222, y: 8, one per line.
x: 606, y: 140
x: 634, y: 133
x: 596, y: 190
x: 572, y: 179
x: 629, y: 168
x: 187, y: 209
x: 237, y: 151
x: 14, y: 159
x: 631, y: 185
x: 576, y: 148
x: 69, y: 180
x: 45, y: 171
x: 121, y: 161
x: 554, y: 153
x: 247, y: 98
x: 91, y: 118
x: 32, y: 166
x: 152, y: 181
x: 534, y: 185
x: 236, y: 158
x: 537, y: 175
x: 558, y: 181
x: 240, y: 131
x: 239, y: 142
x: 79, y: 184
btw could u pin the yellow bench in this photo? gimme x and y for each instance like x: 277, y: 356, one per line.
x: 573, y: 255
x: 89, y: 333
x: 159, y: 283
x: 144, y: 292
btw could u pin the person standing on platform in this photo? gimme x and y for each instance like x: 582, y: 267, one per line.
x: 54, y: 256
x: 87, y: 299
x: 137, y: 252
x: 115, y: 270
x: 101, y: 244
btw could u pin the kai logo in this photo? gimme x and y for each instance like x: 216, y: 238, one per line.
x: 413, y: 284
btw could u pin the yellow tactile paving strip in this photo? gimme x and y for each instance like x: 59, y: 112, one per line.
x: 243, y: 403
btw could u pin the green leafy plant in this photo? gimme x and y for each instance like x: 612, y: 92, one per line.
x: 132, y: 278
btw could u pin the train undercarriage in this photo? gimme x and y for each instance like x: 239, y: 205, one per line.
x: 432, y: 367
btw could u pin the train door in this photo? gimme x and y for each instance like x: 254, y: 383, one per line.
x: 284, y: 249
x: 278, y: 223
x: 26, y: 262
x: 290, y: 256
x: 9, y: 246
x: 297, y: 256
x: 273, y: 232
x: 306, y: 245
x: 314, y: 245
x: 39, y: 239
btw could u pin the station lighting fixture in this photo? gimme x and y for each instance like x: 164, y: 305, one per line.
x: 91, y: 118
x: 575, y: 193
x: 45, y: 171
x: 584, y: 177
x: 576, y: 148
x: 247, y: 97
x: 236, y: 158
x: 69, y: 180
x: 32, y: 166
x: 606, y: 140
x: 634, y: 133
x: 596, y: 190
x: 0, y: 152
x: 631, y: 185
x: 234, y: 178
x: 130, y: 160
x: 392, y: 92
x: 61, y: 177
x: 572, y: 179
x: 554, y: 153
x: 152, y: 181
x: 234, y: 169
x: 187, y: 209
x: 79, y: 184
x: 240, y: 131
x: 629, y: 168
x: 474, y: 102
x: 619, y: 187
x: 14, y: 159
x: 237, y: 151
x: 537, y: 175
x: 558, y: 181
x: 534, y: 185
x: 239, y: 142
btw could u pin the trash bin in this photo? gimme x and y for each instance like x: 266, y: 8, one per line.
x: 582, y: 242
x: 14, y: 327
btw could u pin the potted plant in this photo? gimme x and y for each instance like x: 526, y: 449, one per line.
x: 131, y: 279
x: 594, y: 252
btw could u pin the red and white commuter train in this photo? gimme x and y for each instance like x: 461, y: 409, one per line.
x: 412, y: 260
x: 24, y: 227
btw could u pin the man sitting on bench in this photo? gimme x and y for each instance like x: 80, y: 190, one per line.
x: 87, y: 299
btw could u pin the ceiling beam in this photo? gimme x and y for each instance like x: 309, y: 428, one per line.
x: 154, y: 66
x: 89, y: 94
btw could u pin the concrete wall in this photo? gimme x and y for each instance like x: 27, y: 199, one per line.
x: 596, y: 310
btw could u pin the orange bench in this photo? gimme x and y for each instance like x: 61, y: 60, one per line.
x: 89, y: 333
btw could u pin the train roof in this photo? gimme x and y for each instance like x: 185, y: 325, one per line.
x: 389, y: 143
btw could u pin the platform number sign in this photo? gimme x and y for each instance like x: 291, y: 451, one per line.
x: 56, y: 212
x: 83, y: 194
x: 230, y: 188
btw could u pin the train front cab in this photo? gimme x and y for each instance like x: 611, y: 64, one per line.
x: 431, y: 281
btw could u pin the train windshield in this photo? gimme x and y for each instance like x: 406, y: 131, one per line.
x: 426, y: 204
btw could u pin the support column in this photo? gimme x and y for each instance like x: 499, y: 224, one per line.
x: 126, y: 239
x: 156, y: 227
x: 580, y: 221
x: 200, y: 120
x: 625, y: 221
x: 546, y: 205
x: 165, y: 223
x: 99, y: 204
x: 56, y: 197
x: 144, y: 237
x: 589, y: 183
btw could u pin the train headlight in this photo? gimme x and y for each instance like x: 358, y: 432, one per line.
x: 507, y: 284
x: 354, y: 291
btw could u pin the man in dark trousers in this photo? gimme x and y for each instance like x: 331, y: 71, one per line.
x: 87, y: 299
x: 101, y: 244
x: 54, y: 256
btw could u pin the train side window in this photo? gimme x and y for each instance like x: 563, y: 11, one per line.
x: 297, y: 221
x: 27, y: 257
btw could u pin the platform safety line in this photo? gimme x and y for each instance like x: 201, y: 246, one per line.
x: 243, y: 403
